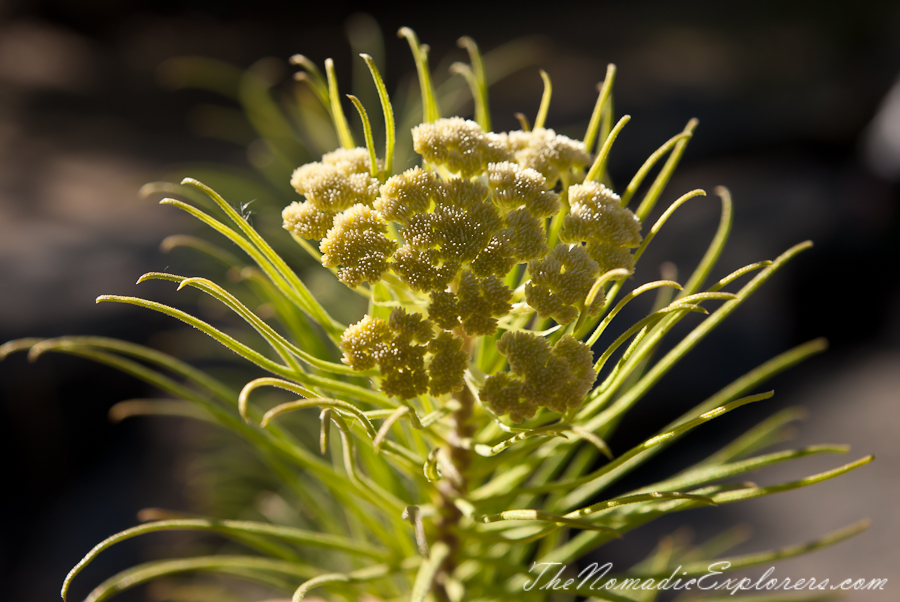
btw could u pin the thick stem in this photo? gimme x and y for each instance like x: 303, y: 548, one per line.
x: 452, y: 487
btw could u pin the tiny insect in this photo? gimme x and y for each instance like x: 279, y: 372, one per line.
x: 245, y: 212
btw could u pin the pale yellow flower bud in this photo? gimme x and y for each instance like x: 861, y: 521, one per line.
x: 340, y: 180
x: 358, y: 244
x: 560, y: 282
x: 556, y: 378
x: 305, y: 220
x: 596, y: 216
x: 458, y: 144
x: 547, y: 152
x: 406, y: 194
x: 514, y: 186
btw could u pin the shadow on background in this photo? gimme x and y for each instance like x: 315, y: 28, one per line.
x: 796, y: 119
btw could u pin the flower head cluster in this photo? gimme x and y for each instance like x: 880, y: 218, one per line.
x: 523, y: 196
x: 475, y: 305
x: 546, y: 151
x: 556, y: 378
x: 452, y: 231
x: 561, y: 282
x: 400, y: 347
x: 358, y: 243
x: 458, y: 144
x: 515, y: 186
x: 596, y: 217
x: 461, y: 224
x: 448, y: 364
x: 407, y: 194
x: 342, y: 179
x: 448, y: 224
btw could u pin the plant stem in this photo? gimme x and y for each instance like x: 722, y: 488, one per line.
x: 454, y: 486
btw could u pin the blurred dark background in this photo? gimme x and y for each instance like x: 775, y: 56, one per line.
x: 797, y: 117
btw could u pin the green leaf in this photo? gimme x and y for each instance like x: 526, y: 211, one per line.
x: 754, y: 492
x: 337, y: 112
x: 652, y: 496
x: 227, y: 341
x: 367, y: 131
x: 665, y: 174
x: 315, y: 308
x: 541, y: 118
x: 595, y: 482
x: 249, y: 567
x: 625, y: 300
x: 600, y: 107
x: 546, y: 517
x: 762, y: 435
x: 479, y: 79
x: 428, y: 571
x: 226, y: 527
x: 740, y: 562
x: 598, y: 169
x: 388, y: 110
x: 430, y: 111
x: 705, y: 473
x: 715, y: 248
x: 608, y: 418
x: 278, y: 342
x: 638, y: 178
x: 314, y: 78
x: 303, y: 300
x: 663, y: 219
x: 334, y: 404
x: 155, y: 407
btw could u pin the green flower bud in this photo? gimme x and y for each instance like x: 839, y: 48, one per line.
x: 555, y: 378
x: 480, y: 301
x: 444, y: 310
x: 611, y: 257
x: 357, y: 242
x: 503, y: 393
x: 424, y: 270
x: 403, y: 369
x: 410, y: 326
x: 448, y: 364
x: 360, y: 341
x: 464, y: 220
x: 398, y: 345
x: 560, y: 282
x: 527, y: 235
x: 497, y: 257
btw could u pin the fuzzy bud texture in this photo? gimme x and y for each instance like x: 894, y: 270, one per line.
x: 549, y: 153
x: 556, y: 378
x: 514, y: 186
x: 560, y: 283
x: 341, y: 180
x: 406, y: 194
x: 412, y: 361
x: 458, y: 144
x: 597, y: 218
x: 306, y: 220
x: 448, y: 364
x: 452, y: 231
x: 357, y: 242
